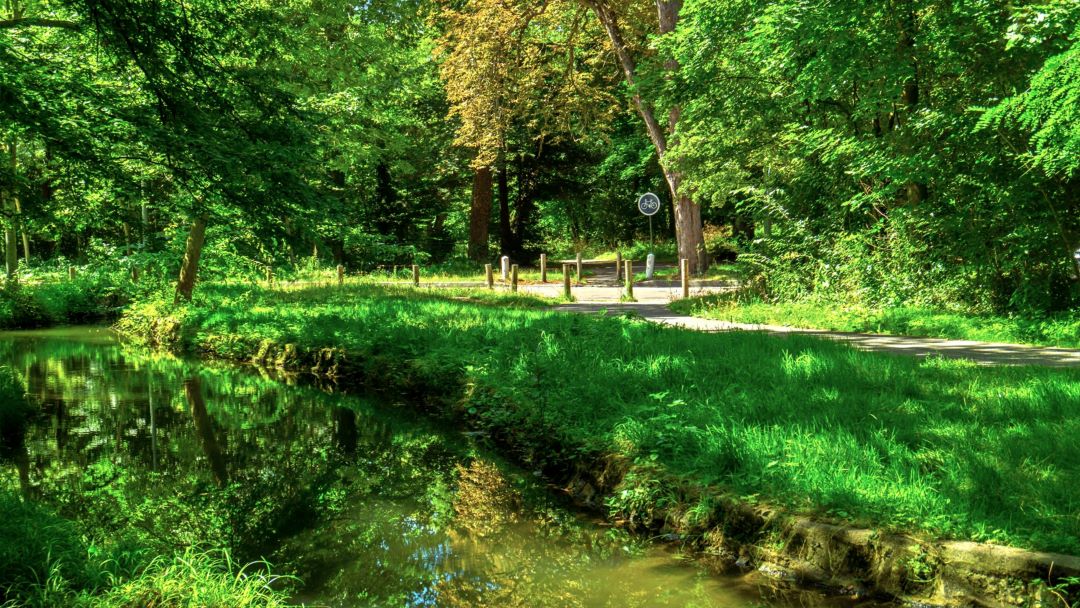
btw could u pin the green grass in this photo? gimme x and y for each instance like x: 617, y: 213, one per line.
x: 942, y: 447
x: 1062, y: 330
x: 49, y: 300
x: 45, y: 562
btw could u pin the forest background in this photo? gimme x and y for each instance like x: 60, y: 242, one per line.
x: 885, y: 152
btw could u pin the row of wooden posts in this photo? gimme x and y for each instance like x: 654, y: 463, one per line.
x: 624, y: 269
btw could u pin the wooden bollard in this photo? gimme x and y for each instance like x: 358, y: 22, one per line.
x: 629, y: 279
x: 513, y: 278
x: 566, y: 281
x: 684, y: 272
x: 415, y: 275
x: 543, y: 268
x: 269, y: 277
x: 489, y: 276
x: 134, y: 273
x: 71, y: 273
x: 618, y: 265
x: 579, y: 268
x: 340, y: 275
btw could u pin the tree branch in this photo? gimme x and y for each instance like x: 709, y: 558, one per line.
x: 39, y: 22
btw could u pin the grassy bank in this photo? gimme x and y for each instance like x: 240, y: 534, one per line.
x: 942, y: 447
x: 89, y: 298
x: 1061, y: 330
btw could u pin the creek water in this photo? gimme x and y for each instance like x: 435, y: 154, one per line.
x: 364, y: 503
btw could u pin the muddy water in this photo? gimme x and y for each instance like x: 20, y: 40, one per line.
x: 365, y: 504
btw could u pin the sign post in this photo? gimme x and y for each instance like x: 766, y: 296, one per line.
x: 649, y: 205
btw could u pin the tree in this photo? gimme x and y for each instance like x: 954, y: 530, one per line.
x: 688, y: 223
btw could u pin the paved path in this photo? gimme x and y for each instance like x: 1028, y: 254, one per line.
x: 987, y: 353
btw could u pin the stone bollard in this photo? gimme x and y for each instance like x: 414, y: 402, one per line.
x: 71, y: 273
x: 340, y: 275
x: 415, y: 275
x: 650, y: 266
x: 684, y: 273
x: 543, y: 268
x: 629, y: 280
x: 566, y: 281
x: 504, y: 267
x: 618, y: 266
x: 513, y: 278
x: 579, y: 268
x: 489, y: 276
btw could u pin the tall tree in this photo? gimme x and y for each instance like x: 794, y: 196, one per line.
x: 688, y: 223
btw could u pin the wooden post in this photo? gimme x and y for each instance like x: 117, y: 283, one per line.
x: 71, y: 273
x: 618, y: 265
x: 489, y: 276
x: 269, y: 277
x: 543, y: 268
x: 579, y: 268
x: 340, y: 275
x: 415, y: 275
x: 684, y: 273
x: 629, y: 279
x: 566, y: 281
x: 513, y: 278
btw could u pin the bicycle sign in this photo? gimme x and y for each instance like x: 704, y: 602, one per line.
x: 649, y: 204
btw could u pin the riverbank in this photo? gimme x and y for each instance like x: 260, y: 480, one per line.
x: 704, y: 437
x: 89, y: 297
x: 351, y: 501
x: 1062, y: 330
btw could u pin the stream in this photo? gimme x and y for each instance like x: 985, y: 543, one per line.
x: 365, y: 503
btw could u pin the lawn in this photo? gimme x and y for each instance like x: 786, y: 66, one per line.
x: 942, y: 447
x: 1061, y: 330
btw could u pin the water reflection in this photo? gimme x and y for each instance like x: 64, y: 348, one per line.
x: 367, y: 505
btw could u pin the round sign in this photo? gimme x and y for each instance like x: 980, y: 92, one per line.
x: 649, y: 203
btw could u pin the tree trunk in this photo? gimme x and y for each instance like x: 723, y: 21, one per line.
x: 11, y: 247
x: 22, y: 230
x: 185, y: 286
x: 204, y: 428
x: 689, y: 232
x: 480, y: 214
x: 506, y: 238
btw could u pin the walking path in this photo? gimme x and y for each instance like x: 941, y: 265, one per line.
x: 987, y: 353
x: 603, y: 293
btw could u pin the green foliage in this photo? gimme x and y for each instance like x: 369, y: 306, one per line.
x: 37, y: 545
x: 913, y: 434
x: 95, y: 294
x: 829, y: 121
